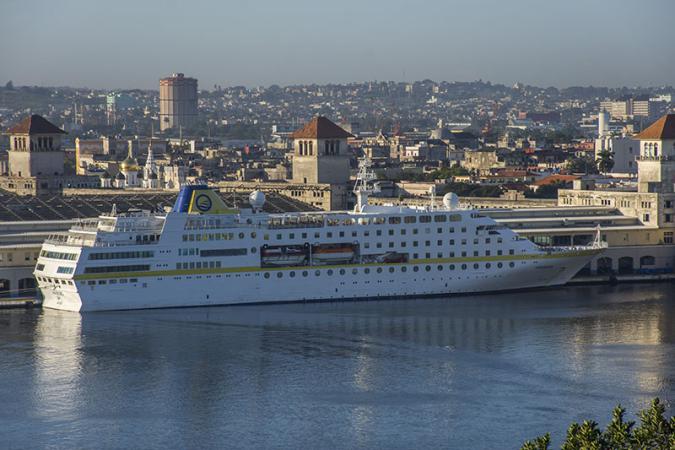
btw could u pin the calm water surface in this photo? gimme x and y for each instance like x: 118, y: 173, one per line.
x: 463, y: 372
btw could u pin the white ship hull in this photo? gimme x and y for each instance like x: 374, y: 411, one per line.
x: 196, y: 255
x: 253, y: 287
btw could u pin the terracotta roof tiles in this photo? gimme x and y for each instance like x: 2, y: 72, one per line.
x: 320, y: 128
x: 35, y: 124
x: 664, y: 128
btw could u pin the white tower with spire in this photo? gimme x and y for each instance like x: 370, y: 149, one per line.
x: 150, y: 178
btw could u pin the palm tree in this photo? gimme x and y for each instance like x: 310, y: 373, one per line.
x: 605, y: 161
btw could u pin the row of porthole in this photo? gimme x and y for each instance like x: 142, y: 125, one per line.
x: 404, y: 269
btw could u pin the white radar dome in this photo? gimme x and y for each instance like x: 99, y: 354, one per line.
x: 256, y: 199
x: 450, y: 200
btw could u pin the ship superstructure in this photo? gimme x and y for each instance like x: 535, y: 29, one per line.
x: 203, y: 253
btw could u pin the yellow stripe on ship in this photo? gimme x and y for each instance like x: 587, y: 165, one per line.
x: 208, y: 271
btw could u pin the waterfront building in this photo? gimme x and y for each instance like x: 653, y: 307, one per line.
x: 651, y: 202
x: 177, y: 101
x: 35, y: 163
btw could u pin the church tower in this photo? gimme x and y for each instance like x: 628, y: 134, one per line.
x: 320, y: 153
x: 150, y: 179
x: 35, y: 148
x: 656, y: 164
x: 129, y: 169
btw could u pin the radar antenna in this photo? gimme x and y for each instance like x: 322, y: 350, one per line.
x: 361, y: 188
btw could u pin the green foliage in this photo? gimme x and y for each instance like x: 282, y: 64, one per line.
x: 448, y: 172
x: 540, y: 443
x: 618, y: 432
x: 655, y: 432
x: 581, y: 165
x: 586, y: 436
x: 440, y: 174
x: 605, y: 161
x: 547, y: 190
x: 470, y: 190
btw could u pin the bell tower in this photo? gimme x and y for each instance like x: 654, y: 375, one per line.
x: 656, y: 164
x: 320, y: 153
x: 35, y: 148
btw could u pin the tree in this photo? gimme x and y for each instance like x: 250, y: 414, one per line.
x: 605, y: 161
x: 448, y: 172
x: 9, y: 86
x: 581, y: 165
x: 540, y: 443
x: 547, y: 190
x: 654, y: 432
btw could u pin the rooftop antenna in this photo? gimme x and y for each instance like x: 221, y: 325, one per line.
x: 432, y: 191
x: 361, y: 188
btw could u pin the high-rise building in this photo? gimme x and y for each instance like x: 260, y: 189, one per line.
x: 627, y: 109
x: 177, y: 101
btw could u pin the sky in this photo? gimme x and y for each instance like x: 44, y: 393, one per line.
x: 125, y: 44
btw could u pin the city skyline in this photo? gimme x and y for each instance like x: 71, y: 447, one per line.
x: 571, y: 44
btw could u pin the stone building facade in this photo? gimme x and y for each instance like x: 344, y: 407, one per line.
x: 35, y: 163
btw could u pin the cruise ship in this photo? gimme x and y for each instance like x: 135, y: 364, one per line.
x: 201, y: 252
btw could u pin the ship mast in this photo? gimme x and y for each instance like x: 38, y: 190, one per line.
x: 361, y: 188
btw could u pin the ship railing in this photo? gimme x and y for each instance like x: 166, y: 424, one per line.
x: 85, y: 225
x: 275, y: 226
x: 133, y: 229
x: 81, y: 242
x: 563, y: 249
x: 69, y: 240
x: 121, y: 243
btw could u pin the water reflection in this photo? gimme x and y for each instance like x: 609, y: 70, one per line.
x: 396, y: 373
x: 58, y: 365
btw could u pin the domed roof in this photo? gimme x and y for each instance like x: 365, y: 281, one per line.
x: 105, y: 174
x: 129, y: 164
x: 120, y: 176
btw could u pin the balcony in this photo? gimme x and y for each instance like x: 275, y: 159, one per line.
x: 656, y: 158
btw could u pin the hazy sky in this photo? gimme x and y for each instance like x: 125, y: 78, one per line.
x: 127, y: 44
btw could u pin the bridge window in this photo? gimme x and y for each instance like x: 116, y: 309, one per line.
x: 112, y: 269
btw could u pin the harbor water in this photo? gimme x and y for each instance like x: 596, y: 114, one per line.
x: 485, y: 371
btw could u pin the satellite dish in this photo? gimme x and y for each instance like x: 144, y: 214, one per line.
x: 257, y: 200
x: 450, y: 200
